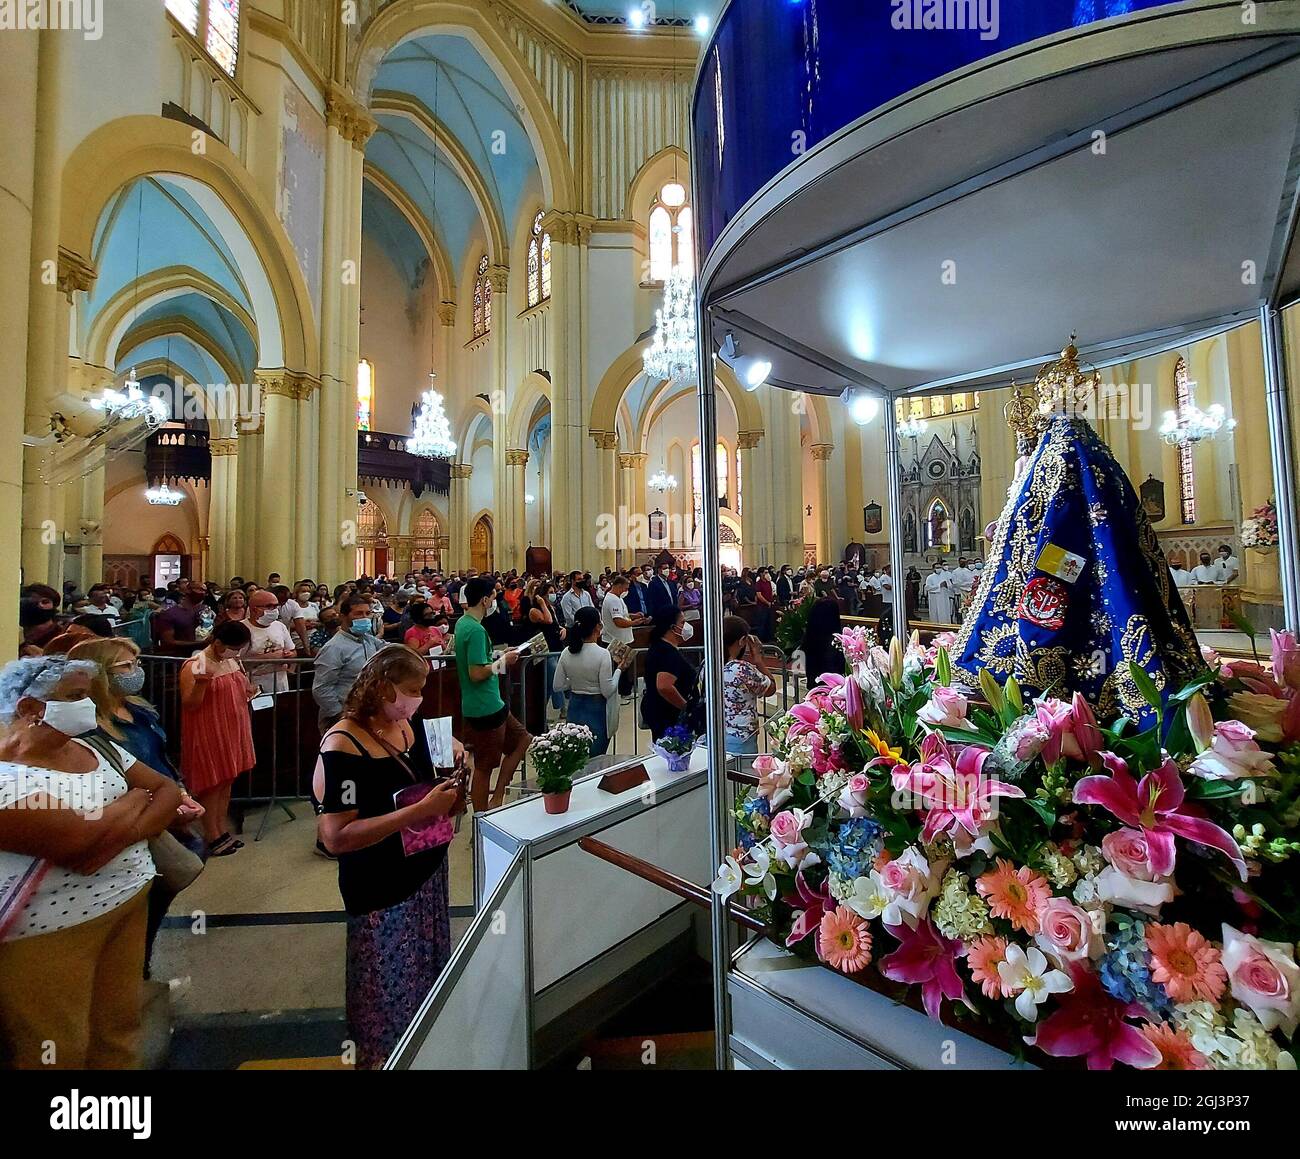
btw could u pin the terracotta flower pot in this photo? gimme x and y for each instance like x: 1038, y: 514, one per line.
x: 557, y: 802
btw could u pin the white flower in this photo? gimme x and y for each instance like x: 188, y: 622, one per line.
x: 758, y: 871
x: 1028, y: 972
x: 869, y: 898
x: 729, y: 879
x: 1118, y: 889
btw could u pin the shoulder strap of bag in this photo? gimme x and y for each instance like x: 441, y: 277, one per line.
x: 392, y: 752
x: 105, y: 749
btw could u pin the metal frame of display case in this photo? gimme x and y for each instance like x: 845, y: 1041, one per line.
x: 1147, y: 31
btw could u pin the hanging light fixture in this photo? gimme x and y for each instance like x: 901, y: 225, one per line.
x: 672, y: 352
x: 1194, y: 425
x: 130, y: 403
x: 662, y: 482
x: 163, y: 496
x: 430, y: 431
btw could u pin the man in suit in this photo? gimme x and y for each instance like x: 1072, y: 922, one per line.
x: 662, y: 592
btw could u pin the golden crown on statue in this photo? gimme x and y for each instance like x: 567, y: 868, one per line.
x: 1064, y: 388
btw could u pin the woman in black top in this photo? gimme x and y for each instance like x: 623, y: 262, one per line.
x: 671, y: 681
x: 394, y: 890
x: 539, y: 616
x: 821, y: 654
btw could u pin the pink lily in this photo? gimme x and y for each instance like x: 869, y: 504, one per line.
x: 1286, y: 659
x: 1090, y: 1022
x: 1072, y: 729
x: 845, y: 693
x: 815, y: 903
x: 956, y: 792
x: 1156, y: 806
x: 926, y: 957
x: 806, y: 719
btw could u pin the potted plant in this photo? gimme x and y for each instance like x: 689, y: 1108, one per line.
x: 675, y: 747
x: 558, y: 756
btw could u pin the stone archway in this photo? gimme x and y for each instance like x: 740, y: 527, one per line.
x: 481, y: 545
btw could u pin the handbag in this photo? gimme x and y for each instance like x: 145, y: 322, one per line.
x: 176, y: 865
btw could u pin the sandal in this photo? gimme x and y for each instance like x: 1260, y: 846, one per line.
x: 224, y: 846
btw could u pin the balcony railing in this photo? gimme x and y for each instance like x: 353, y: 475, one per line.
x: 176, y: 453
x: 384, y: 458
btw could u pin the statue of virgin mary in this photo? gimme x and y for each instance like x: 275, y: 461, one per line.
x: 1076, y: 589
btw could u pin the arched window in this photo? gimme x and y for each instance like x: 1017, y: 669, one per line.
x: 365, y: 394
x: 482, y: 300
x: 539, y: 264
x: 740, y: 483
x: 723, y: 462
x: 424, y: 549
x: 1186, y: 468
x: 214, y: 24
x: 671, y: 241
x: 697, y: 481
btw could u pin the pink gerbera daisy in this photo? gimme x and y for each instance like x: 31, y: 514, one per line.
x: 1185, y: 963
x: 1015, y: 894
x: 844, y: 941
x: 982, y: 958
x: 1176, y: 1049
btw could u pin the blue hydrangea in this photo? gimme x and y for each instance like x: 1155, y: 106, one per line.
x: 1125, y: 971
x: 754, y: 815
x: 852, y: 848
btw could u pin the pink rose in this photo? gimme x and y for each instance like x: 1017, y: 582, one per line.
x: 1067, y: 933
x: 1264, y: 977
x: 1026, y: 738
x: 909, y: 883
x: 1126, y: 850
x: 1232, y: 755
x: 853, y: 798
x: 1286, y: 660
x: 764, y: 763
x: 787, y: 834
x: 946, y: 707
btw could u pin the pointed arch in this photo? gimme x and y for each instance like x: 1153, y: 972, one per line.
x: 425, y: 231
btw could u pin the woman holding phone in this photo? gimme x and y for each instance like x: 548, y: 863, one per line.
x: 744, y: 679
x: 391, y: 843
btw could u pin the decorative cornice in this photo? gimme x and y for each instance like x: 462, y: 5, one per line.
x: 224, y: 446
x: 748, y: 440
x: 447, y: 313
x: 75, y: 273
x: 516, y: 458
x: 462, y: 470
x: 498, y: 277
x: 568, y: 228
x: 630, y: 461
x: 292, y: 384
x: 605, y: 440
x: 349, y: 116
x: 822, y: 452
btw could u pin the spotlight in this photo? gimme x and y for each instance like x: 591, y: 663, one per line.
x: 636, y: 17
x: 863, y: 407
x: 702, y: 24
x: 750, y: 369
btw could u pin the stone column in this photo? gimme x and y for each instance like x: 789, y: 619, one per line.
x: 605, y: 538
x: 631, y: 503
x: 516, y: 488
x: 276, y: 503
x: 247, y: 496
x: 399, y: 554
x: 821, y: 453
x: 458, y: 504
x: 746, y: 443
x: 91, y: 527
x: 223, y: 515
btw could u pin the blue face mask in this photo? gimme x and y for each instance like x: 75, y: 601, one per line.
x: 363, y: 627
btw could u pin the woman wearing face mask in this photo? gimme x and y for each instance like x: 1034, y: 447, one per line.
x: 671, y: 682
x: 75, y: 828
x: 423, y: 635
x: 586, y: 672
x: 691, y: 597
x: 234, y: 606
x: 125, y: 718
x: 216, y: 730
x: 300, y: 614
x: 394, y: 886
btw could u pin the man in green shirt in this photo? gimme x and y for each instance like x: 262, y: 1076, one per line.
x: 490, y: 728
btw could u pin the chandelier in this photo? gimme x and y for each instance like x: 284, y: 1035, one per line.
x: 672, y: 354
x: 661, y: 482
x: 912, y: 428
x: 1193, y: 424
x: 163, y: 496
x: 130, y: 403
x: 430, y: 431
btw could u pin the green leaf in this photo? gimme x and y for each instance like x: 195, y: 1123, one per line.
x: 1192, y: 687
x: 1202, y: 790
x: 992, y: 691
x: 1045, y: 812
x: 1014, y: 695
x: 966, y: 736
x: 943, y: 668
x: 1241, y: 622
x: 1145, y: 685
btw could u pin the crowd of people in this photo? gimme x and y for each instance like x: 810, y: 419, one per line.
x: 100, y: 828
x: 1220, y: 570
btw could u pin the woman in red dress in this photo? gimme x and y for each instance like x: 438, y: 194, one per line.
x: 216, y: 731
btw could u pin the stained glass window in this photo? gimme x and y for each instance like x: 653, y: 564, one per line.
x: 365, y: 394
x: 534, y: 273
x: 546, y: 266
x: 482, y: 300
x: 723, y: 461
x: 672, y: 242
x: 1186, y: 468
x: 539, y: 263
x: 214, y: 24
x: 697, y: 480
x: 740, y: 483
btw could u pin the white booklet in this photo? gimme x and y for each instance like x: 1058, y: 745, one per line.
x: 437, y: 731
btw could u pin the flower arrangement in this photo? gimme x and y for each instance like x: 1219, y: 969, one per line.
x: 1092, y: 891
x: 675, y: 746
x: 1260, y: 530
x: 559, y: 755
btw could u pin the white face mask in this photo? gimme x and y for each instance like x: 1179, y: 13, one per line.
x: 491, y: 609
x: 70, y: 717
x: 266, y: 619
x: 687, y: 631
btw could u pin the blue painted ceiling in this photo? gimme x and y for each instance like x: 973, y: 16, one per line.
x: 456, y: 86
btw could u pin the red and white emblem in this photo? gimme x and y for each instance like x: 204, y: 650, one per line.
x: 1043, y: 602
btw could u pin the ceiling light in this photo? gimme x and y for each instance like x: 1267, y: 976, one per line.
x: 636, y: 17
x: 750, y: 369
x: 863, y: 407
x: 702, y: 24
